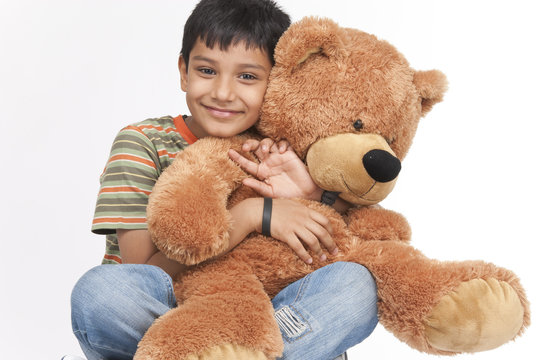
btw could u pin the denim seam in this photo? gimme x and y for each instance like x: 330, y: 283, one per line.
x: 171, y: 295
x: 84, y: 342
x: 94, y: 346
x: 302, y: 288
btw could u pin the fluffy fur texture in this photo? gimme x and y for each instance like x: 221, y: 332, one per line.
x: 325, y: 79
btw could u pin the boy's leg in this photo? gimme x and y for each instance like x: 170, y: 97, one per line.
x: 112, y: 306
x: 327, y: 312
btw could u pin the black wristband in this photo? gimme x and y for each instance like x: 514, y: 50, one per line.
x: 266, y: 217
x: 329, y: 197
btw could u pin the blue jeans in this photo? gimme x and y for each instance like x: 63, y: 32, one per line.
x: 320, y: 316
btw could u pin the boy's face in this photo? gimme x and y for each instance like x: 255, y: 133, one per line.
x: 224, y: 89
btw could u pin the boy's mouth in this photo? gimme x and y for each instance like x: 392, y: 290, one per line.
x: 221, y: 113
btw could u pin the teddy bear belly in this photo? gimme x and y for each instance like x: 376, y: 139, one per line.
x: 273, y: 262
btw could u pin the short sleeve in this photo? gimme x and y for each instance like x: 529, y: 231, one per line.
x: 128, y: 179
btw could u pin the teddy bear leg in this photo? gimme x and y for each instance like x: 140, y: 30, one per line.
x: 479, y: 314
x: 443, y: 307
x: 223, y: 314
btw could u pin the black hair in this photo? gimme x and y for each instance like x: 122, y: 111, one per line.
x: 259, y: 23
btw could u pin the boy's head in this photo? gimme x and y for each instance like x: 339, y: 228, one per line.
x: 225, y: 63
x: 257, y: 23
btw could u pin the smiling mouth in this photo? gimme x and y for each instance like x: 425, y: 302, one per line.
x: 362, y: 196
x: 221, y: 112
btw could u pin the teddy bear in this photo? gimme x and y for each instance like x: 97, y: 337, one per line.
x: 349, y: 104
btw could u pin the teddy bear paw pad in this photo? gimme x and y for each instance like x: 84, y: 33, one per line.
x: 228, y: 352
x: 479, y: 315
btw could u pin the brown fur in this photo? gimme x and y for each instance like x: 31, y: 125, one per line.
x: 325, y: 78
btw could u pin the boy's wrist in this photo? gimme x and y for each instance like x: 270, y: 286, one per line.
x: 254, y: 209
x: 316, y: 194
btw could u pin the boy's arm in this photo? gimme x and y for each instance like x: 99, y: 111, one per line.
x: 292, y: 223
x: 136, y: 247
x: 189, y: 219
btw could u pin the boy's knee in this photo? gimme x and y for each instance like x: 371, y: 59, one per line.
x: 355, y: 277
x: 356, y: 287
x: 89, y: 290
x: 358, y: 293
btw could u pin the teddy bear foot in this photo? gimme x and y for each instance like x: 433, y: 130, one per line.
x: 228, y: 352
x: 478, y: 315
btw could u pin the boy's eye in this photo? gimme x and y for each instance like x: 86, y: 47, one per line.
x: 247, y: 77
x: 207, y: 71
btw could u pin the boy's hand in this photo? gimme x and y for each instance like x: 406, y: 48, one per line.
x: 301, y: 227
x: 280, y: 173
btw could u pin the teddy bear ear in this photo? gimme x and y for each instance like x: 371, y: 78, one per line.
x: 431, y: 86
x: 310, y: 35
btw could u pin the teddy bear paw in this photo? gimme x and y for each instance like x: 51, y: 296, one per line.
x: 480, y: 314
x: 221, y: 352
x: 228, y: 352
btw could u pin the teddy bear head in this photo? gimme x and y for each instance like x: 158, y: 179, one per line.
x: 349, y: 104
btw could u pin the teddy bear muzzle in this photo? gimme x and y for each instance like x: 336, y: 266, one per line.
x: 361, y: 167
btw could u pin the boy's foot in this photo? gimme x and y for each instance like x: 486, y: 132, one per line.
x: 341, y: 357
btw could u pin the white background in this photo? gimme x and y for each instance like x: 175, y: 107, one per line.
x: 72, y: 73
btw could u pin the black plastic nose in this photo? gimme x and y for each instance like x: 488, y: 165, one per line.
x: 381, y: 165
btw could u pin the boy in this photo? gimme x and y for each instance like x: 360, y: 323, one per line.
x: 224, y: 66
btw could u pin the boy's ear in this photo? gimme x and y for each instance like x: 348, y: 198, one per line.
x: 309, y: 36
x: 431, y: 86
x: 183, y: 72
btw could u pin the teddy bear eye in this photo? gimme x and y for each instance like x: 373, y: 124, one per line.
x: 358, y: 124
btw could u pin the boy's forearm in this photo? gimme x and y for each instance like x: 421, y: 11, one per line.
x: 136, y: 247
x: 246, y: 217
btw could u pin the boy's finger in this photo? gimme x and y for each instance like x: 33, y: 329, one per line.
x: 262, y: 151
x: 283, y: 145
x: 250, y: 145
x: 312, y: 241
x: 265, y: 145
x: 259, y: 186
x: 322, y: 220
x: 299, y: 249
x: 247, y: 165
x: 324, y: 237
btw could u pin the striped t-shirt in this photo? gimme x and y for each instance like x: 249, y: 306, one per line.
x: 139, y: 155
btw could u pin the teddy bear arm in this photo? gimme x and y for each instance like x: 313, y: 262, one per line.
x: 187, y: 211
x: 377, y: 223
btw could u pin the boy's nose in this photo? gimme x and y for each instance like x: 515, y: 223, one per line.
x: 223, y: 90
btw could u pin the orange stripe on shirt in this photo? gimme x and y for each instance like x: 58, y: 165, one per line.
x: 119, y: 189
x: 113, y: 258
x: 132, y: 158
x: 165, y: 152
